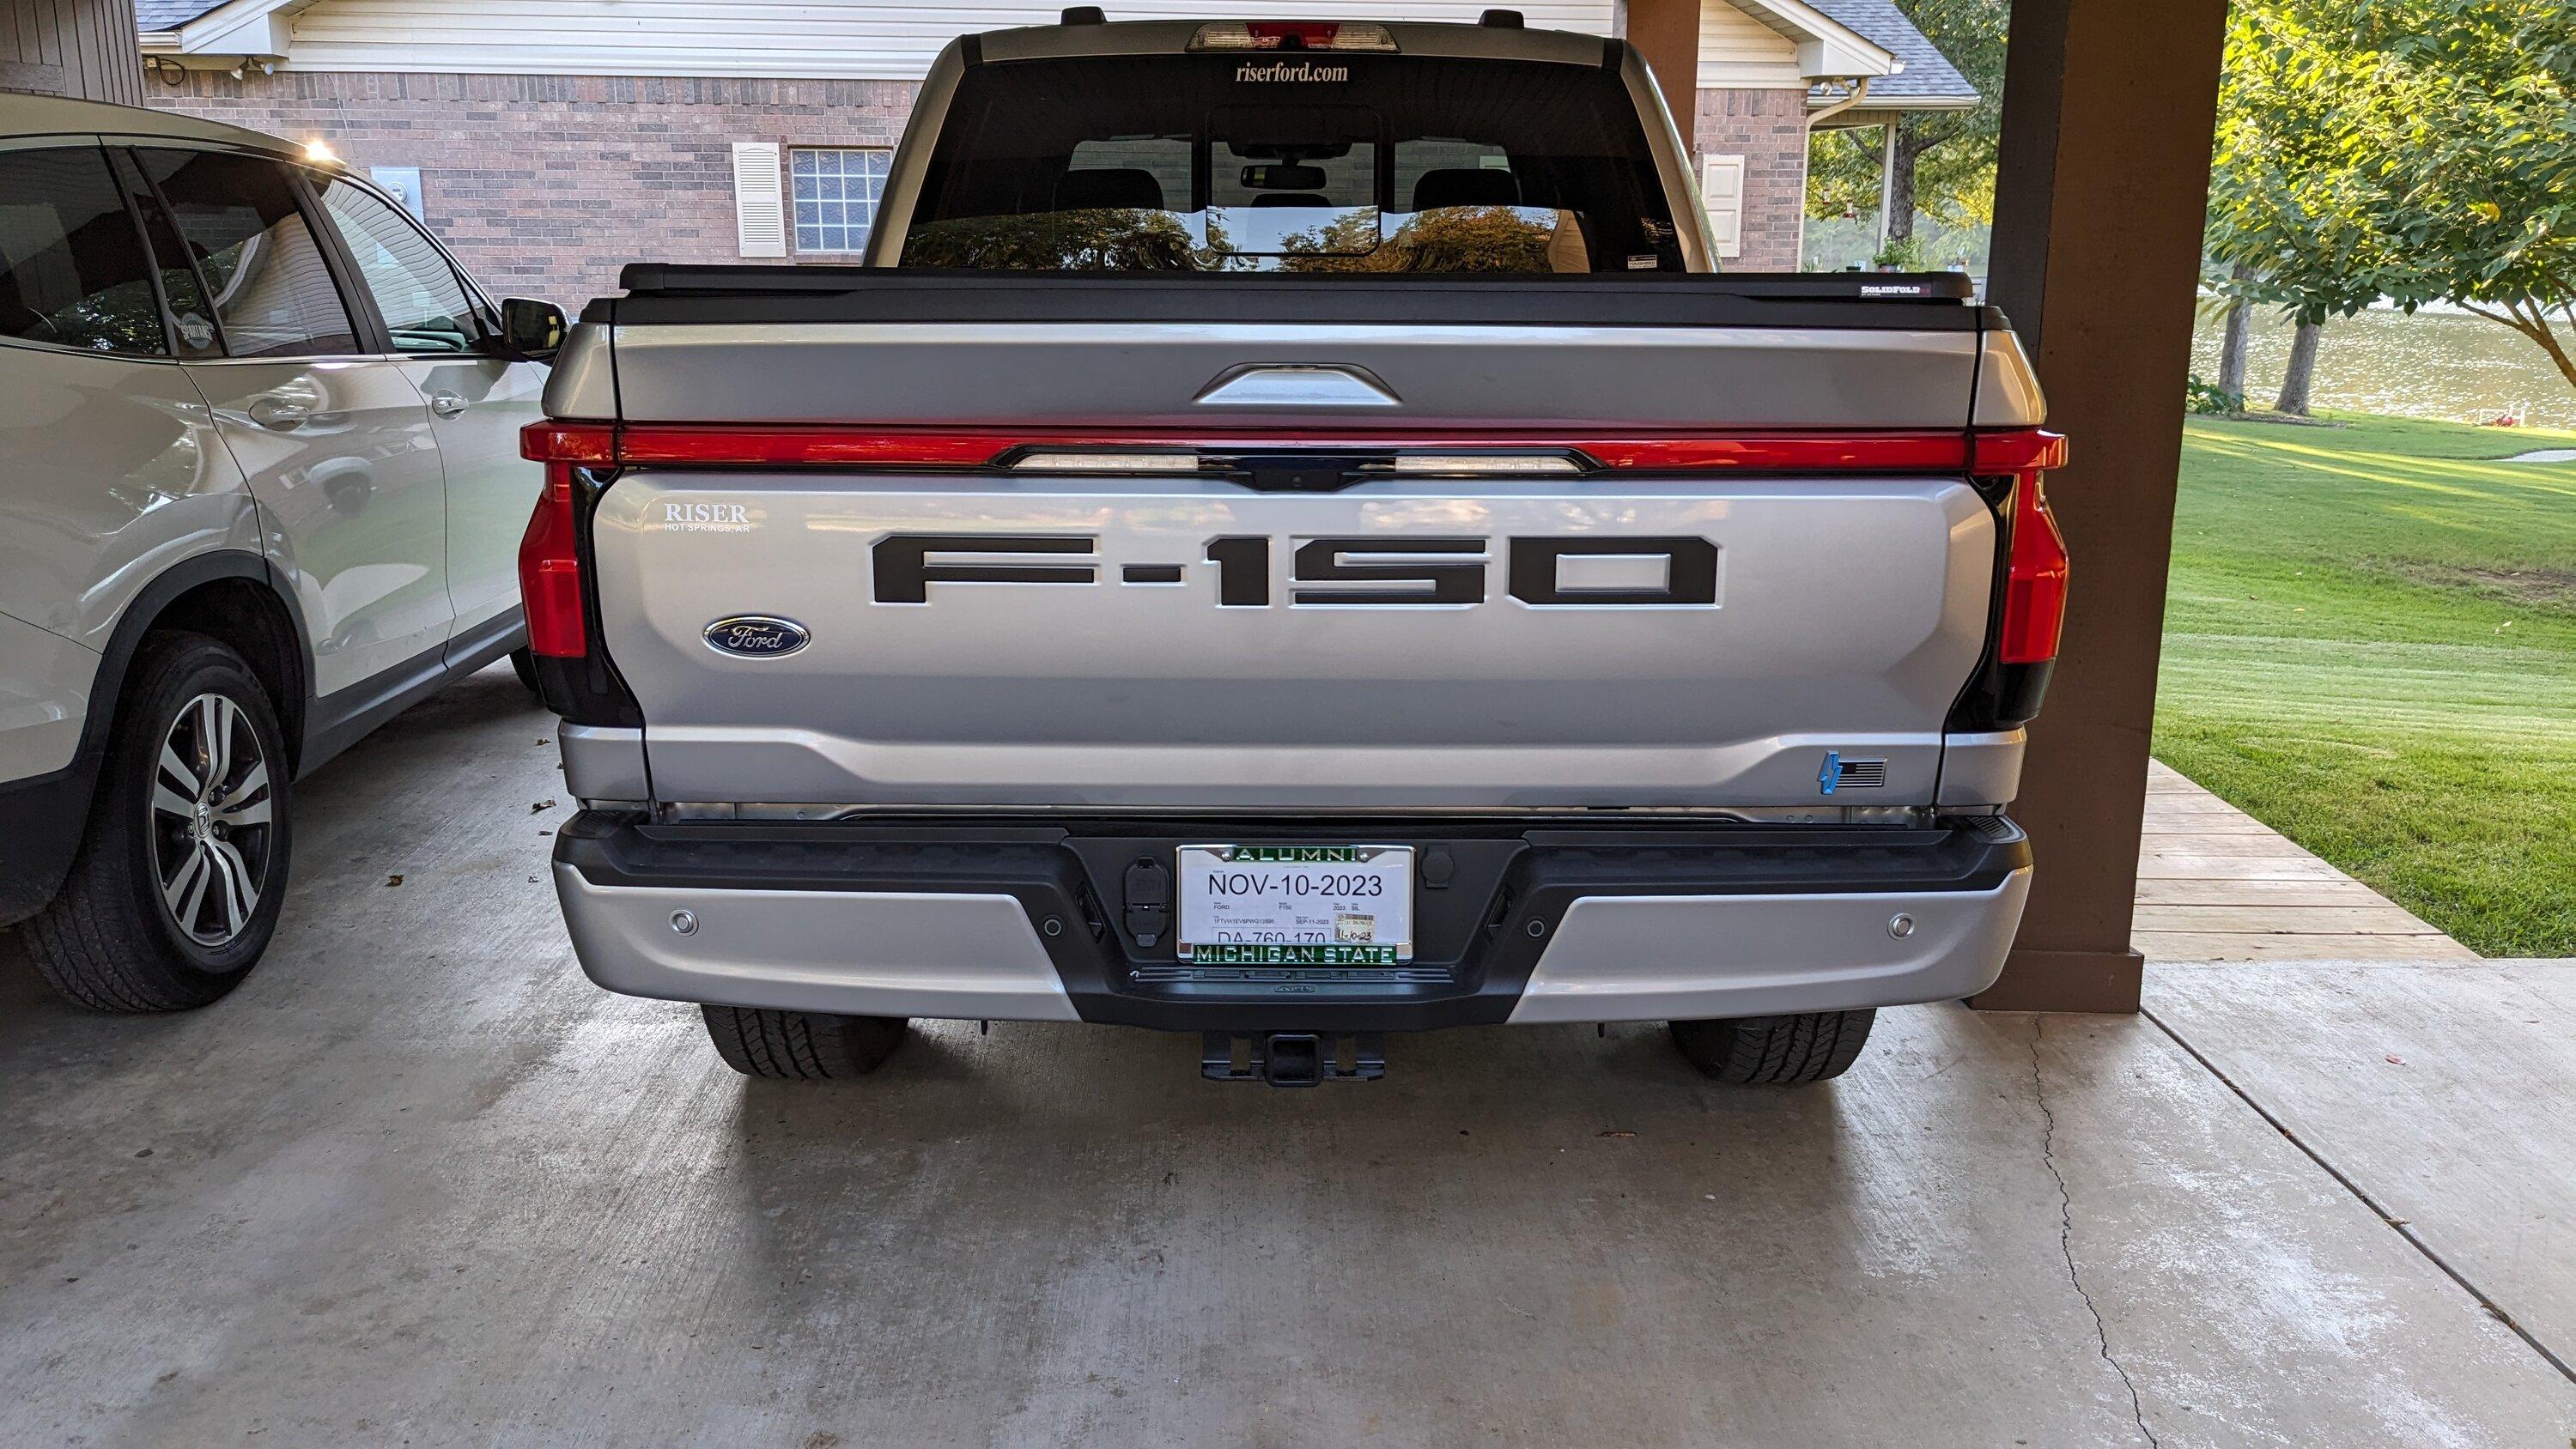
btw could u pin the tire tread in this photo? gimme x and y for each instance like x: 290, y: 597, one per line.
x: 1788, y: 1050
x: 800, y: 1046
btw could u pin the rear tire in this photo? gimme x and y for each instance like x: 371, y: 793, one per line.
x: 801, y: 1046
x: 523, y: 663
x: 182, y: 870
x: 1778, y: 1050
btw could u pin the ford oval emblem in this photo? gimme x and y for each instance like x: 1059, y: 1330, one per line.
x: 756, y: 636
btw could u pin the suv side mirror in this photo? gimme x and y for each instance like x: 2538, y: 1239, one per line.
x: 531, y: 331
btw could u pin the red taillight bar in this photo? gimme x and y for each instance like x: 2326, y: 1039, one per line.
x: 1820, y: 451
x: 587, y: 444
x: 2034, y: 614
x: 2017, y: 450
x: 550, y: 569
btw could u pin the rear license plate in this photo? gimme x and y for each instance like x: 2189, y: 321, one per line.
x: 1296, y: 905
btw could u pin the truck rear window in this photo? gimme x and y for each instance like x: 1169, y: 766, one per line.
x: 1328, y: 162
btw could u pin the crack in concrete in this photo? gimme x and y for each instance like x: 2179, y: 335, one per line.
x: 2066, y: 1231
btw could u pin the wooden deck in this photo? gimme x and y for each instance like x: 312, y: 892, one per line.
x: 2216, y: 884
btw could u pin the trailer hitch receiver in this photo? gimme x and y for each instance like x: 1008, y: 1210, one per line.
x: 1293, y: 1058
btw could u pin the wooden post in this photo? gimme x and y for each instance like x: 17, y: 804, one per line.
x: 2103, y: 179
x: 1666, y: 33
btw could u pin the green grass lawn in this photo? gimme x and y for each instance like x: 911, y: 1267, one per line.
x: 2370, y: 644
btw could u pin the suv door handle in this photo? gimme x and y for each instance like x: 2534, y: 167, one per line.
x: 282, y: 411
x: 446, y: 404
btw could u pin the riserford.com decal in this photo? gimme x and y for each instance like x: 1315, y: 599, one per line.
x: 1291, y: 70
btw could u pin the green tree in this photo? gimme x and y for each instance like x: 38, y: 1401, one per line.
x: 2280, y: 116
x: 1945, y: 160
x: 2419, y: 150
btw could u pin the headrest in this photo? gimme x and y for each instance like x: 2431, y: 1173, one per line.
x: 1466, y: 186
x: 1108, y: 186
x: 1290, y: 198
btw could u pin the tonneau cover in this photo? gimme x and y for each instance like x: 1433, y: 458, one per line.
x: 659, y: 293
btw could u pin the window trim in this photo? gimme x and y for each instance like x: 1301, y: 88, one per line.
x: 787, y: 174
x: 127, y: 174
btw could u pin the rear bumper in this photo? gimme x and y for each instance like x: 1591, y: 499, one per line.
x: 1025, y: 920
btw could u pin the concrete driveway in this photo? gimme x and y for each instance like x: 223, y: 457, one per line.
x: 419, y: 1183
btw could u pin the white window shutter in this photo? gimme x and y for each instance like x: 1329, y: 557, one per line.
x: 1721, y: 186
x: 759, y: 212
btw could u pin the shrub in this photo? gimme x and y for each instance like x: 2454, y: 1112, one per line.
x: 2210, y: 398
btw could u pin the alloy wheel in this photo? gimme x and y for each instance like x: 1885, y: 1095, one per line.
x: 210, y: 824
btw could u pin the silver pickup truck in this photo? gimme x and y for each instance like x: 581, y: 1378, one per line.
x: 1289, y: 538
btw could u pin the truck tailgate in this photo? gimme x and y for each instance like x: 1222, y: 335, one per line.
x: 954, y: 621
x: 1838, y: 616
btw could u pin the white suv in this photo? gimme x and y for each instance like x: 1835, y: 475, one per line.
x: 260, y: 489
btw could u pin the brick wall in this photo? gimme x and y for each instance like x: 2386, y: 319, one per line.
x: 544, y: 185
x: 1769, y: 130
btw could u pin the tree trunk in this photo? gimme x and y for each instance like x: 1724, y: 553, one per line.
x: 1900, y: 191
x: 2237, y: 338
x: 2301, y: 374
x: 2531, y: 319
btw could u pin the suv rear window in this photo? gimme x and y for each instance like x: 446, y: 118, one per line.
x: 1339, y: 163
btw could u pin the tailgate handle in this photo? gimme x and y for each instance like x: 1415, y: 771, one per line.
x: 1297, y: 385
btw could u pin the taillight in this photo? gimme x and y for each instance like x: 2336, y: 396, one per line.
x: 2035, y: 589
x: 549, y: 553
x: 2034, y: 612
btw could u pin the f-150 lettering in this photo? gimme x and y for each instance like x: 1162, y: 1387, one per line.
x: 1360, y: 570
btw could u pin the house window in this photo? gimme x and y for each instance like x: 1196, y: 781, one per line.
x: 836, y: 191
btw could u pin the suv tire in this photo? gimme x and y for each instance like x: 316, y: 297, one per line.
x: 180, y: 876
x: 1783, y: 1050
x: 801, y: 1046
x: 523, y: 663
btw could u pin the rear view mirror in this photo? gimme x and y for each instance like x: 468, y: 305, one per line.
x: 531, y: 331
x: 1287, y: 177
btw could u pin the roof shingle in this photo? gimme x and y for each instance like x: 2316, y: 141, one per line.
x: 1928, y: 74
x: 152, y: 15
